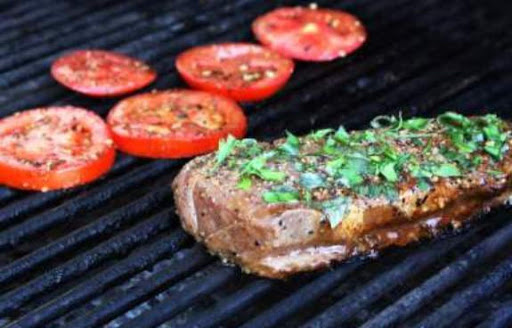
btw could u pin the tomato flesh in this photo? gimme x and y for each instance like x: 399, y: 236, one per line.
x: 174, y: 123
x: 101, y: 73
x: 310, y: 34
x: 241, y: 71
x: 54, y: 148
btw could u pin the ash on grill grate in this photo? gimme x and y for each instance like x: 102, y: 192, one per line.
x: 112, y: 254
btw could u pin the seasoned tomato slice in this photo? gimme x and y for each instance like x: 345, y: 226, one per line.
x: 174, y: 123
x: 310, y: 34
x: 53, y: 148
x: 241, y: 71
x: 101, y: 73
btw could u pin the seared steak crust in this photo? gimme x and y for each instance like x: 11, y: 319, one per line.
x: 277, y: 239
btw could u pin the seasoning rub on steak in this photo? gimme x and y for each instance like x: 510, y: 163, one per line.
x: 299, y: 204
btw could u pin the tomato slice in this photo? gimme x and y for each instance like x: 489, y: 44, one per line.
x: 310, y: 34
x: 53, y: 148
x: 241, y: 71
x: 101, y: 73
x: 174, y: 123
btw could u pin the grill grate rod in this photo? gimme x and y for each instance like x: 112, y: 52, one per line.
x: 134, y: 36
x: 185, y: 293
x: 470, y: 296
x: 446, y: 278
x: 60, y: 25
x: 84, y: 202
x: 64, y: 42
x: 147, y: 45
x: 501, y: 318
x: 371, y: 291
x: 31, y: 16
x: 227, y: 307
x: 306, y: 295
x: 408, y: 69
x: 417, y: 85
x: 190, y: 259
x: 16, y: 39
x: 116, y: 245
x: 101, y: 226
x: 142, y: 258
x: 387, y: 31
x: 35, y: 201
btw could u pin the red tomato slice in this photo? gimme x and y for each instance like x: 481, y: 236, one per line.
x: 101, y: 73
x: 174, y: 123
x: 53, y: 148
x: 310, y: 34
x: 241, y: 71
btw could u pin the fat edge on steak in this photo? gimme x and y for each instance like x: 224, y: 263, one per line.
x: 276, y: 239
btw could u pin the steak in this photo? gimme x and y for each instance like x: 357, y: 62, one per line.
x: 302, y: 203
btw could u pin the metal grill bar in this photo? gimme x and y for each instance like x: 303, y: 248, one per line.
x: 396, y: 96
x: 228, y: 307
x: 501, y: 318
x: 467, y: 298
x: 139, y: 31
x: 408, y: 68
x: 16, y: 37
x: 302, y: 297
x: 37, y: 201
x: 450, y: 275
x: 116, y: 245
x: 190, y: 260
x: 103, y: 225
x: 59, y: 26
x: 144, y: 43
x: 113, y: 26
x: 185, y: 294
x: 142, y: 258
x: 31, y: 16
x: 83, y: 202
x: 344, y: 309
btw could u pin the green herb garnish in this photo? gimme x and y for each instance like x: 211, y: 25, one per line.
x: 311, y: 180
x: 283, y: 194
x: 226, y: 147
x: 335, y: 210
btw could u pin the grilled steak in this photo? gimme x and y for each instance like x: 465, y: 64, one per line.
x: 299, y: 204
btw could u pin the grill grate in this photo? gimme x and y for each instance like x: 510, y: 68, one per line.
x: 112, y: 253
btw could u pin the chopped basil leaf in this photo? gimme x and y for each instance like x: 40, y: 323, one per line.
x: 311, y: 180
x: 342, y: 135
x: 452, y: 119
x: 384, y: 121
x: 283, y: 194
x: 256, y: 167
x: 291, y: 146
x: 270, y: 175
x: 389, y: 172
x: 320, y: 134
x: 226, y: 147
x: 416, y: 124
x: 423, y: 184
x: 350, y: 177
x: 335, y: 210
x: 446, y: 170
x: 245, y: 183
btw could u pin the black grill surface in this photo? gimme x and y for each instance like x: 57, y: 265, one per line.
x: 112, y: 253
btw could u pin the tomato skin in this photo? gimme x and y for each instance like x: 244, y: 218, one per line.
x: 100, y: 73
x: 20, y: 175
x: 19, y: 178
x: 226, y: 55
x: 310, y: 34
x: 180, y: 143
